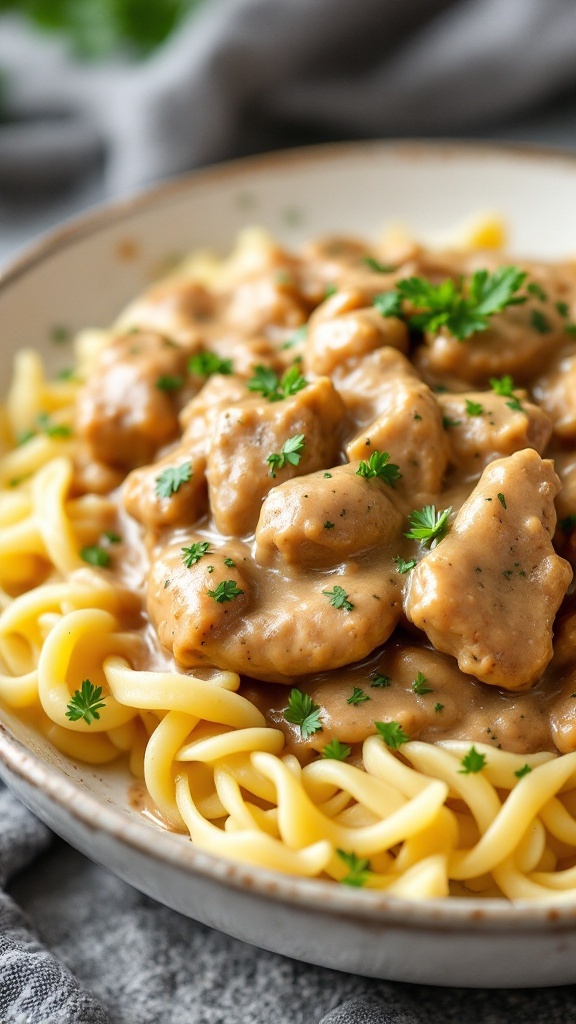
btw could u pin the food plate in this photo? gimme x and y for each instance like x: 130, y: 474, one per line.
x: 84, y: 275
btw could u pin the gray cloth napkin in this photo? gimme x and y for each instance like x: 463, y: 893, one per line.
x: 78, y: 946
x: 243, y: 75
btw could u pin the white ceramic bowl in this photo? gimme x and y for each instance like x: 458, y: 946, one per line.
x: 82, y: 275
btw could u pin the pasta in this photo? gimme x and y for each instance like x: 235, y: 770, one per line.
x: 165, y: 565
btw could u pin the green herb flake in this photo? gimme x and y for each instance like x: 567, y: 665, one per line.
x: 505, y: 386
x: 473, y: 408
x: 291, y: 453
x: 359, y: 869
x: 336, y: 751
x: 327, y: 476
x: 428, y: 526
x: 420, y: 685
x: 376, y: 266
x: 447, y: 422
x: 388, y: 303
x: 525, y: 770
x: 60, y: 334
x: 229, y: 563
x: 328, y: 525
x: 331, y: 290
x: 339, y: 598
x: 112, y: 537
x: 501, y: 499
x: 379, y: 681
x: 472, y: 763
x: 205, y: 364
x: 402, y: 566
x: 193, y: 554
x: 540, y: 322
x: 392, y: 734
x: 537, y: 291
x: 266, y: 382
x: 379, y: 466
x: 86, y: 703
x: 168, y: 383
x: 302, y: 711
x: 93, y: 554
x: 438, y: 707
x: 297, y: 337
x: 563, y: 309
x: 171, y: 479
x: 225, y: 591
x: 358, y: 696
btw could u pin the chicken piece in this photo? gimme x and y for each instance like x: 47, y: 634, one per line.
x: 344, y: 327
x: 325, y: 518
x: 179, y: 308
x: 409, y: 428
x: 263, y: 305
x: 512, y: 344
x: 149, y: 502
x: 489, y: 592
x: 198, y: 418
x: 239, y: 476
x: 556, y: 392
x: 482, y: 426
x: 362, y: 383
x: 129, y: 407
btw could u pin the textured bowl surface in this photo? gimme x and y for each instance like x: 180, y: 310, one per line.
x: 81, y: 276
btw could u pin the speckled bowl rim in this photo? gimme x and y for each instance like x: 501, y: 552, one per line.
x: 95, y: 814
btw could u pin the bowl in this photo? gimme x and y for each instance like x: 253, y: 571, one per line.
x: 81, y: 276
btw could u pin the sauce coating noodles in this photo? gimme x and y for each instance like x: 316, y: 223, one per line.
x: 224, y: 557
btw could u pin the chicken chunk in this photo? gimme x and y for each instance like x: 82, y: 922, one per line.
x: 408, y: 427
x: 129, y: 407
x: 239, y: 475
x: 556, y: 392
x: 343, y: 328
x: 362, y: 383
x: 325, y: 518
x: 180, y: 309
x: 482, y: 426
x: 489, y: 592
x: 147, y: 501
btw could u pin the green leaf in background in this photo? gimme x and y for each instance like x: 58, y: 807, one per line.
x: 96, y: 28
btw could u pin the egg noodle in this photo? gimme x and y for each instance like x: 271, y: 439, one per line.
x: 410, y: 823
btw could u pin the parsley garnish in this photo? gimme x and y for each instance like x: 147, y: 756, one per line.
x: 295, y: 338
x: 523, y: 771
x: 225, y: 591
x: 327, y: 476
x: 473, y: 408
x: 402, y: 566
x: 438, y: 706
x: 462, y: 308
x: 563, y: 309
x: 379, y: 466
x: 472, y: 762
x: 86, y: 703
x: 204, y: 364
x: 447, y: 422
x: 172, y: 478
x: 505, y: 386
x: 229, y: 563
x: 336, y: 751
x: 168, y: 383
x: 95, y: 555
x: 379, y: 680
x: 358, y: 696
x: 388, y: 303
x: 339, y: 598
x: 420, y: 685
x: 540, y: 322
x: 501, y: 499
x: 266, y: 381
x: 328, y: 525
x: 535, y: 289
x: 392, y: 733
x: 304, y: 712
x: 291, y: 453
x: 428, y: 525
x: 113, y: 537
x: 358, y: 869
x: 379, y: 268
x: 195, y: 552
x: 331, y: 290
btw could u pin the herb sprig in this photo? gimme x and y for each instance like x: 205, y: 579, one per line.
x: 86, y: 703
x: 379, y: 465
x: 291, y: 453
x: 302, y: 711
x: 428, y: 525
x: 270, y: 386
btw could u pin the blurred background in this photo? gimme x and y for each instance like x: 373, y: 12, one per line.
x: 99, y: 98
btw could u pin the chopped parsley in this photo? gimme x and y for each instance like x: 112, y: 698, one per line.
x: 537, y: 291
x: 540, y: 322
x: 380, y: 681
x: 448, y: 422
x: 86, y: 703
x: 195, y: 552
x: 304, y: 712
x: 225, y: 591
x: 93, y: 554
x: 563, y: 309
x: 359, y: 869
x: 299, y: 335
x: 336, y: 751
x: 168, y: 383
x: 473, y: 408
x: 501, y: 499
x: 229, y: 563
x: 358, y: 696
x: 328, y: 525
x: 339, y: 598
x: 290, y: 453
x: 388, y: 304
x: 331, y: 290
x: 523, y: 771
x: 428, y: 525
x: 392, y: 733
x: 402, y: 566
x: 378, y: 465
x: 505, y: 386
x: 438, y: 706
x: 267, y: 383
x: 172, y: 478
x: 204, y: 364
x: 376, y: 266
x: 472, y: 762
x: 327, y: 476
x: 420, y: 685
